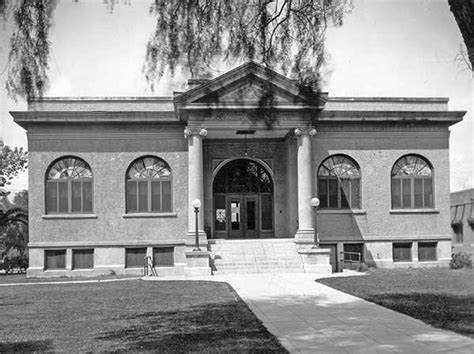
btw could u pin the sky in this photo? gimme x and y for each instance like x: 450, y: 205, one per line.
x: 401, y: 48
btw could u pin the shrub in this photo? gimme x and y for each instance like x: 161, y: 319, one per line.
x: 460, y: 260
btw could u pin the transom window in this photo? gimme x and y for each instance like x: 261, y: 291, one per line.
x: 148, y: 186
x: 339, y: 183
x: 69, y: 186
x: 412, y: 183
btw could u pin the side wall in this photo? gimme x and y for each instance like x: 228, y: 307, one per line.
x: 109, y: 150
x: 376, y: 148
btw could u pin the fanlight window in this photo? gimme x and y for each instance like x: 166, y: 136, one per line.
x: 69, y: 186
x: 339, y: 183
x: 243, y: 176
x: 148, y: 186
x: 412, y: 183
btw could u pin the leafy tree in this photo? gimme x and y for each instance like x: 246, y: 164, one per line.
x: 463, y: 11
x: 286, y: 35
x: 12, y: 162
x: 13, y: 216
x: 14, y: 224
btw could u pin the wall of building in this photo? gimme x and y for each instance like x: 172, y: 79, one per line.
x: 109, y: 150
x: 462, y: 221
x: 376, y: 148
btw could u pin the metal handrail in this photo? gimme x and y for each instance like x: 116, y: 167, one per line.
x: 350, y: 260
x: 148, y: 268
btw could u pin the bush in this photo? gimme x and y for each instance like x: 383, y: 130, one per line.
x: 460, y: 260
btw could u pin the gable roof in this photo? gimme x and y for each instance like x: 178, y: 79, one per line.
x: 249, y: 85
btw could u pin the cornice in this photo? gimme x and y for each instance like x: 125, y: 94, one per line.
x: 25, y: 118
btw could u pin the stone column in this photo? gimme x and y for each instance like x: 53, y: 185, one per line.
x: 195, y: 184
x: 305, y: 234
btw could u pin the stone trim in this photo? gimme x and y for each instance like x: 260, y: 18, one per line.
x: 342, y: 211
x: 119, y: 243
x: 149, y: 215
x: 69, y: 216
x: 413, y: 211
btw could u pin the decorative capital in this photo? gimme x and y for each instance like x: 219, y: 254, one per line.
x: 188, y: 132
x: 304, y: 131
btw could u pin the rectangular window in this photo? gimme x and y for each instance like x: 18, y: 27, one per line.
x: 83, y: 259
x: 163, y: 257
x: 63, y: 200
x: 396, y: 193
x: 52, y: 197
x: 54, y: 259
x: 135, y: 257
x: 143, y: 196
x: 428, y: 192
x: 76, y: 196
x: 267, y: 212
x: 323, y: 193
x: 427, y: 251
x: 402, y: 252
x: 418, y: 193
x: 132, y: 196
x: 333, y: 193
x: 166, y: 200
x: 156, y: 196
x: 87, y: 197
x: 406, y: 193
x: 355, y: 252
x: 345, y: 191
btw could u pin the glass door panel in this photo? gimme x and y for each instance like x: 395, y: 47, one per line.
x: 251, y: 216
x: 235, y: 206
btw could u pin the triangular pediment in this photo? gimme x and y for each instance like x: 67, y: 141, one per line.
x: 249, y: 85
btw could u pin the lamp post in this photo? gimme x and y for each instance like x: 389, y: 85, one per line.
x: 196, y: 203
x: 315, y: 204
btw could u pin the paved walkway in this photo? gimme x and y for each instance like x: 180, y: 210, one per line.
x: 308, y: 317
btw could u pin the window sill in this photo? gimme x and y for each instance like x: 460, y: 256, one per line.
x: 69, y: 216
x: 414, y: 211
x: 149, y: 215
x: 343, y: 211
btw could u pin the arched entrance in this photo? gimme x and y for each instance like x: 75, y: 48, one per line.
x: 243, y: 200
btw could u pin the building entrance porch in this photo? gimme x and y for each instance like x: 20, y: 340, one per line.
x: 243, y: 200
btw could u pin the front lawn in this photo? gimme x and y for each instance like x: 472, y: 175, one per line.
x: 130, y: 315
x: 443, y: 298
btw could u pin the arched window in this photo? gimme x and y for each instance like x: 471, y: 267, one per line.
x: 339, y: 183
x: 69, y: 186
x: 148, y: 186
x: 412, y: 183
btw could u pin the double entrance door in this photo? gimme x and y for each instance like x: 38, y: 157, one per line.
x: 243, y: 215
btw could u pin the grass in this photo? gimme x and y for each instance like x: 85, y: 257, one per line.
x: 443, y: 298
x: 133, y: 315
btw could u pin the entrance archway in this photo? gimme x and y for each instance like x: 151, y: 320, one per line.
x: 243, y: 200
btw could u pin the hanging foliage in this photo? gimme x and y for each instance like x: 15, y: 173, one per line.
x: 29, y: 48
x: 284, y: 35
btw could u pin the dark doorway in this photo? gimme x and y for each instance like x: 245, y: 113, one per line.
x: 243, y: 200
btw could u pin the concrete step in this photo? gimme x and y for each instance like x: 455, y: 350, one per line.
x: 247, y: 270
x: 255, y: 256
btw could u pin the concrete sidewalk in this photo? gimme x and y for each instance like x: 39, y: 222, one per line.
x: 308, y: 317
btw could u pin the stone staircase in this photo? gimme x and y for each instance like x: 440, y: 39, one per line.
x: 255, y: 256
